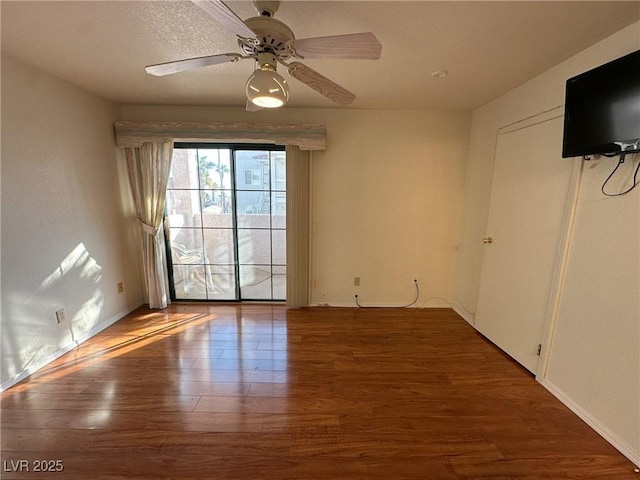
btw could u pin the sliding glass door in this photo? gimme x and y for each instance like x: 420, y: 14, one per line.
x: 226, y: 220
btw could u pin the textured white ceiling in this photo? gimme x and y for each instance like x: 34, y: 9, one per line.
x: 488, y: 48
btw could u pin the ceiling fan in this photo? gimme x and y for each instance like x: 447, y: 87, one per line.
x: 269, y: 41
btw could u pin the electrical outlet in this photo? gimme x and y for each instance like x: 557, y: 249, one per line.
x: 356, y: 281
x: 60, y: 316
x: 120, y: 287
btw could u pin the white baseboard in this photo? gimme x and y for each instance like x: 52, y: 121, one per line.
x: 325, y: 304
x: 67, y: 348
x: 353, y: 305
x: 627, y: 450
x: 464, y: 313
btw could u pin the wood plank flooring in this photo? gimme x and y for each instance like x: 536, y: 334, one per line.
x: 262, y: 392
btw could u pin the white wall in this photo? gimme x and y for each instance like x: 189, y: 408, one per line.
x: 67, y: 233
x: 594, y: 359
x: 386, y: 198
x: 593, y: 352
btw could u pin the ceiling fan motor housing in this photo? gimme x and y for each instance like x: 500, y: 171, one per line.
x: 273, y: 37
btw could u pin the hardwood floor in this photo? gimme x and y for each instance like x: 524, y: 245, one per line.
x: 261, y: 392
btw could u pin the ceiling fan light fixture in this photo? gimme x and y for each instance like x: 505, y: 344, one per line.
x: 266, y: 88
x: 269, y: 42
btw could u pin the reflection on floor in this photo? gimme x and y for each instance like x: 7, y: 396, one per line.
x: 252, y: 391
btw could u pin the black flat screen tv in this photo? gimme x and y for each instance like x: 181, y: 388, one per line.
x: 602, y: 109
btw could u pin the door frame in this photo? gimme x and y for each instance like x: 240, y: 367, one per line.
x: 565, y: 232
x: 233, y: 146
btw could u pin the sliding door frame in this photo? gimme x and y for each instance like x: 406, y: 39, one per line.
x: 233, y: 147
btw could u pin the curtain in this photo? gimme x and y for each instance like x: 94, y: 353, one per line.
x: 298, y: 185
x: 148, y: 169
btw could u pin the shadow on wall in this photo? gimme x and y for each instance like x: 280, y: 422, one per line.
x: 31, y: 335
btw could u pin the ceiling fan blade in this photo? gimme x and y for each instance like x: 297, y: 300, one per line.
x: 167, y: 68
x: 225, y: 16
x: 321, y: 84
x: 252, y: 107
x: 363, y: 46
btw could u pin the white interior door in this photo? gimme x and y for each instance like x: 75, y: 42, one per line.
x: 529, y: 198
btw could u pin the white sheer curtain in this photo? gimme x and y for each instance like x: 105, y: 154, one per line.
x: 148, y: 168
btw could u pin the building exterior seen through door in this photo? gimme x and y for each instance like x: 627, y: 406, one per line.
x: 226, y: 217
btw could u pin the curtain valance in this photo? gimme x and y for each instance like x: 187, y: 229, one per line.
x: 304, y: 136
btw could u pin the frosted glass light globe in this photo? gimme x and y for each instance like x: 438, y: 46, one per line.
x: 267, y: 89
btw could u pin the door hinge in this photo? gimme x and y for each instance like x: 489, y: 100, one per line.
x: 539, y: 349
